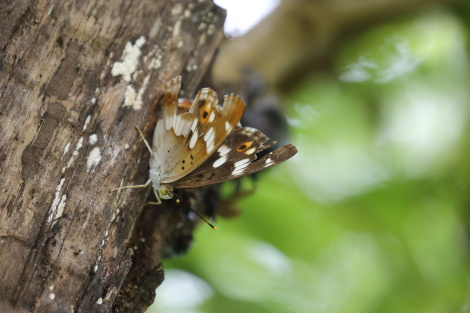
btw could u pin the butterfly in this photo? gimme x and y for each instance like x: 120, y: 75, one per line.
x: 204, y: 144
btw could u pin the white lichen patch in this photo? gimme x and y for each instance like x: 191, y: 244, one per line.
x: 93, y: 100
x: 74, y: 155
x: 87, y: 120
x: 99, y: 301
x: 66, y: 150
x: 202, y: 39
x: 191, y: 68
x: 177, y: 28
x: 129, y: 60
x: 58, y: 204
x: 93, y: 160
x: 133, y: 98
x: 129, y: 96
x: 95, y: 269
x: 155, y: 27
x: 156, y: 63
x: 93, y: 139
x: 52, y: 296
x: 211, y: 30
x: 177, y: 9
x: 114, y: 153
x: 202, y: 26
x: 154, y: 58
x: 60, y: 207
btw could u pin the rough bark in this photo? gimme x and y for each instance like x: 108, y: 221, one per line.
x: 75, y: 78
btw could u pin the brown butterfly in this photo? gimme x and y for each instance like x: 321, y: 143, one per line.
x: 205, y: 144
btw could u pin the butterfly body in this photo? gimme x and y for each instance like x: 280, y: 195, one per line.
x: 204, y: 144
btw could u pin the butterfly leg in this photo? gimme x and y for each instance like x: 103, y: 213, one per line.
x: 145, y: 141
x: 134, y: 186
x: 158, y: 202
x: 153, y: 202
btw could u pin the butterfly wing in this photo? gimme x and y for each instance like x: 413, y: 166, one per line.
x: 236, y: 157
x: 182, y: 142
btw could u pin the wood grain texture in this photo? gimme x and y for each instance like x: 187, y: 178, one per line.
x: 76, y: 77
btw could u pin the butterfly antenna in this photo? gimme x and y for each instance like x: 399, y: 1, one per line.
x: 200, y: 216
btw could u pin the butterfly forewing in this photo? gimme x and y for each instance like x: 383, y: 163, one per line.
x: 185, y: 141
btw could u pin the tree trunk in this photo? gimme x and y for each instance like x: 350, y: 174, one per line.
x: 76, y: 77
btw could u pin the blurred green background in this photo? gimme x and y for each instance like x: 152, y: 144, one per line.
x: 371, y: 214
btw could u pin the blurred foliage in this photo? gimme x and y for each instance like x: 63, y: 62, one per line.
x: 371, y: 215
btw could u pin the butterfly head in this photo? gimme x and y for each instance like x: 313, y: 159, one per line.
x: 161, y: 191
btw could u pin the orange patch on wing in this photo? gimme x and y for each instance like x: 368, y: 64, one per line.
x: 244, y: 146
x: 205, y: 111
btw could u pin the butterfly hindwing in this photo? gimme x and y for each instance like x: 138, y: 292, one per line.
x: 236, y: 157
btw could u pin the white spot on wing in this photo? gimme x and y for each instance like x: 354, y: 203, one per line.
x: 243, y: 163
x: 240, y: 165
x: 193, y: 140
x: 193, y: 127
x: 209, y: 139
x: 223, y: 150
x: 237, y: 171
x: 212, y: 117
x: 220, y: 161
x: 209, y: 135
x: 228, y: 127
x: 269, y: 161
x: 250, y: 151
